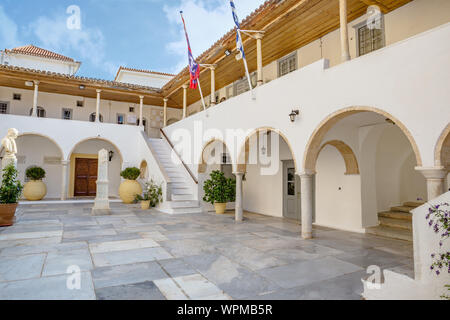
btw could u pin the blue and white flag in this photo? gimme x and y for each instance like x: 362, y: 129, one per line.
x: 239, y: 44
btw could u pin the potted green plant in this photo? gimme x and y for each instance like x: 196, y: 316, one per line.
x: 151, y: 196
x: 35, y: 189
x: 10, y: 191
x: 219, y: 190
x: 129, y: 188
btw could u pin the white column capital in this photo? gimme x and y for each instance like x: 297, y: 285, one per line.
x: 141, y: 97
x: 306, y: 173
x: 166, y: 100
x: 65, y: 162
x: 259, y: 35
x: 98, y: 90
x: 432, y: 172
x: 36, y: 82
x: 184, y: 86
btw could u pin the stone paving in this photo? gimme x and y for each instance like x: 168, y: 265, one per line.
x: 135, y: 254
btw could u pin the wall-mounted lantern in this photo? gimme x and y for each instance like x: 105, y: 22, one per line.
x: 293, y: 115
x: 111, y: 154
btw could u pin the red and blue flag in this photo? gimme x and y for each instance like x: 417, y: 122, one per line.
x: 194, y: 68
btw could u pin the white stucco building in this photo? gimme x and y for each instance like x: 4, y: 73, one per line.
x: 370, y: 141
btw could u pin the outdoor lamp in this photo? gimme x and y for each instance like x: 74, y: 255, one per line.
x: 111, y: 154
x: 227, y: 52
x: 293, y: 114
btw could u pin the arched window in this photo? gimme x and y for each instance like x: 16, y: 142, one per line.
x: 92, y: 117
x: 40, y: 112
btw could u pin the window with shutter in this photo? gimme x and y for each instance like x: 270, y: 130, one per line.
x: 287, y: 64
x: 370, y: 39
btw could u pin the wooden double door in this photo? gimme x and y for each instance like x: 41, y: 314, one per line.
x: 85, y: 177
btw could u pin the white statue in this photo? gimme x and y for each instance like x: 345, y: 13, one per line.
x: 101, y: 205
x: 10, y: 146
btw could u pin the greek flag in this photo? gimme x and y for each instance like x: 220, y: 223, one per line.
x: 239, y: 44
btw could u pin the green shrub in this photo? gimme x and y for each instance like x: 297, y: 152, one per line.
x: 152, y: 192
x: 35, y: 173
x: 131, y: 173
x: 219, y: 189
x: 11, y: 188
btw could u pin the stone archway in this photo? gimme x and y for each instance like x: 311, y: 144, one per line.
x: 313, y: 146
x: 351, y: 164
x: 442, y: 149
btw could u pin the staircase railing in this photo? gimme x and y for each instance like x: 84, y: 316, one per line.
x: 179, y: 157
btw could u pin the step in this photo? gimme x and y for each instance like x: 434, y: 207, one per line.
x: 388, y: 232
x: 180, y: 185
x: 177, y: 197
x: 402, y: 208
x: 396, y: 215
x: 396, y: 223
x: 413, y: 204
x: 185, y: 204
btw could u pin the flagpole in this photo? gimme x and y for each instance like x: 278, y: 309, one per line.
x: 246, y: 71
x: 201, y: 94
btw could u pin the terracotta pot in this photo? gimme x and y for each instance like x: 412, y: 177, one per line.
x: 145, y: 204
x: 128, y: 190
x: 34, y: 190
x: 7, y: 212
x: 220, y: 207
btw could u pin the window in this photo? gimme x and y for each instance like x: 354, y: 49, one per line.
x: 287, y: 64
x: 229, y: 91
x: 40, y: 112
x: 4, y: 107
x: 131, y: 109
x: 370, y: 38
x: 120, y: 118
x: 80, y: 103
x: 92, y: 117
x: 17, y: 96
x: 66, y: 114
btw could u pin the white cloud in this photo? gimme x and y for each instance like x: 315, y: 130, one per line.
x: 206, y: 22
x: 8, y: 31
x: 87, y: 43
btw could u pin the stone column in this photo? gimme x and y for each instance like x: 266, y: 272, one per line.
x: 259, y: 63
x: 345, y: 51
x: 435, y: 180
x: 101, y: 205
x: 306, y: 186
x: 213, y: 85
x: 97, y: 106
x: 64, y: 166
x: 35, y: 99
x: 239, y: 212
x: 141, y: 107
x: 185, y: 86
x: 165, y: 111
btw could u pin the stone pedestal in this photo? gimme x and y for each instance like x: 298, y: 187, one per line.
x: 7, y: 160
x: 101, y: 205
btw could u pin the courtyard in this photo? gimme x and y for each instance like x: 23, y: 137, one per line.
x: 136, y: 254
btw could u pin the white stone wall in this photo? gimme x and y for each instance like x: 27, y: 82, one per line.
x: 39, y: 63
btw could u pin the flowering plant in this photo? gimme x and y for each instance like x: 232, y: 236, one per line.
x: 439, y: 219
x: 152, y: 192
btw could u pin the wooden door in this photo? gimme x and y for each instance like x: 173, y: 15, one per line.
x: 85, y: 177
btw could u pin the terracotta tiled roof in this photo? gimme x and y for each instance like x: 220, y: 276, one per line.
x: 82, y: 80
x: 39, y: 52
x: 144, y: 71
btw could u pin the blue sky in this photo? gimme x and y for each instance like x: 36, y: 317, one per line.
x: 143, y: 34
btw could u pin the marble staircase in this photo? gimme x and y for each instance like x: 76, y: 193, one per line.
x: 397, y: 222
x: 182, y: 193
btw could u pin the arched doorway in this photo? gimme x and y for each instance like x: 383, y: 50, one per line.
x: 48, y: 155
x: 271, y: 185
x: 388, y: 186
x: 171, y: 121
x: 214, y: 156
x: 83, y: 166
x: 442, y: 155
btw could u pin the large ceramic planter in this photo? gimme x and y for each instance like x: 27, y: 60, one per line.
x: 220, y: 207
x: 128, y: 190
x: 34, y: 190
x: 145, y: 204
x: 7, y: 212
